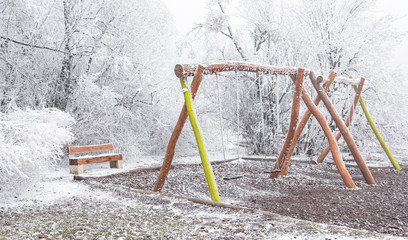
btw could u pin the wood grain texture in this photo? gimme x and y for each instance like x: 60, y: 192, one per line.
x: 344, y: 131
x: 90, y: 148
x: 294, y: 117
x: 348, y: 120
x: 95, y: 159
x: 345, y: 175
x: 305, y: 119
x: 190, y: 70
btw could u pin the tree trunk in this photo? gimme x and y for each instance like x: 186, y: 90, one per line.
x: 62, y: 87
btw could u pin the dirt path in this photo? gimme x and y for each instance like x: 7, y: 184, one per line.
x: 310, y: 192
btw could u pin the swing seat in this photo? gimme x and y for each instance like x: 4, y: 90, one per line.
x: 273, y: 171
x: 231, y: 177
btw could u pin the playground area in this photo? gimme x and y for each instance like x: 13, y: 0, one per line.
x: 335, y: 191
x: 203, y: 120
x: 309, y: 192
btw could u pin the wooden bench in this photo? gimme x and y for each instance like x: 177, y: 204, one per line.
x: 76, y: 162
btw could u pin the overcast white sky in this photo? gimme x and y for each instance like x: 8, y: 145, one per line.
x: 188, y: 12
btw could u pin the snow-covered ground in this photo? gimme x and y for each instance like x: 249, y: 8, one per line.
x: 58, y: 183
x: 56, y: 206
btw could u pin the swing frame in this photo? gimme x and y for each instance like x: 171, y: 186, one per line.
x: 297, y: 75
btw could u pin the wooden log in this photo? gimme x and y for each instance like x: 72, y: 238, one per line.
x: 90, y: 148
x: 344, y: 131
x: 348, y: 120
x: 256, y: 158
x: 116, y: 164
x: 207, y: 202
x: 208, y: 172
x: 94, y: 159
x: 330, y: 137
x: 377, y: 134
x: 347, y: 80
x: 293, y: 121
x: 168, y: 158
x: 182, y: 71
x: 302, y: 123
x: 76, y: 169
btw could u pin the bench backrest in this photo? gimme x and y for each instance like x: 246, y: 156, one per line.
x: 90, y: 148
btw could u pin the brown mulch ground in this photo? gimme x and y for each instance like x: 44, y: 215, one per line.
x: 309, y: 192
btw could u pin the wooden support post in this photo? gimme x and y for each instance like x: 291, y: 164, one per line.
x: 344, y: 131
x: 293, y: 120
x: 348, y: 120
x: 348, y: 181
x: 377, y: 134
x: 209, y: 175
x: 302, y: 123
x: 168, y: 158
x: 76, y: 169
x: 116, y: 164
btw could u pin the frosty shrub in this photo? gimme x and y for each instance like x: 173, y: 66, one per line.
x: 101, y: 118
x: 32, y: 140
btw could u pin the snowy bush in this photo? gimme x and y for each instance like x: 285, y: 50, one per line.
x: 32, y: 139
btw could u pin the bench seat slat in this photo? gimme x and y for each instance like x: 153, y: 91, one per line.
x: 93, y: 155
x: 94, y: 159
x: 90, y: 148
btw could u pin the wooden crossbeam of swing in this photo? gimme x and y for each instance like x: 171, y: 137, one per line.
x: 190, y: 70
x: 347, y: 80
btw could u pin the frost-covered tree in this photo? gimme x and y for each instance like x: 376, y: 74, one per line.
x: 48, y: 49
x: 343, y: 35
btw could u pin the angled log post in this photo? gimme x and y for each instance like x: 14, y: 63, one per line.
x: 208, y: 172
x: 348, y: 181
x: 348, y: 120
x: 344, y: 131
x: 302, y: 123
x: 168, y: 158
x: 293, y: 121
x: 377, y: 134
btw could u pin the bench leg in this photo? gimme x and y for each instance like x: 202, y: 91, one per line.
x: 76, y: 169
x: 116, y: 164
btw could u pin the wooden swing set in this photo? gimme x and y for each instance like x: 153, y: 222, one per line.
x: 297, y: 75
